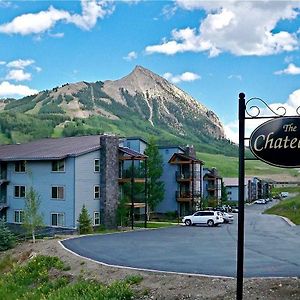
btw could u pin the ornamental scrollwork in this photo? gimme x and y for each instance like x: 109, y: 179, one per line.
x: 254, y: 111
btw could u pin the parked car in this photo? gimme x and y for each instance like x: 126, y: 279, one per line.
x: 235, y: 209
x: 228, y: 218
x: 211, y: 218
x: 260, y: 201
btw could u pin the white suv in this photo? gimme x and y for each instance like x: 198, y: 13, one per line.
x: 211, y: 218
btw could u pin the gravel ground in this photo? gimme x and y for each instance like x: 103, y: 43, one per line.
x: 164, y: 286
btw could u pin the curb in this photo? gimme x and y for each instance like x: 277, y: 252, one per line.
x: 288, y: 221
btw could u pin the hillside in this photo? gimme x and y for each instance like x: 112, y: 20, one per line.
x: 139, y: 104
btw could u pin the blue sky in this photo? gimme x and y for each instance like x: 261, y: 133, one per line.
x: 211, y: 49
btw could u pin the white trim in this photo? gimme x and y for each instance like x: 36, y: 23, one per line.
x: 18, y: 162
x: 98, y: 159
x: 94, y: 224
x: 19, y: 211
x: 96, y: 185
x: 57, y: 213
x: 57, y: 161
x: 58, y: 186
x: 19, y: 197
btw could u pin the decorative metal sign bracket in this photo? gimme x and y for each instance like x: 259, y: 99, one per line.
x: 254, y: 111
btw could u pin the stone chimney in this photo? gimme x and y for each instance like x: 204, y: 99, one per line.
x: 109, y: 174
x: 190, y: 151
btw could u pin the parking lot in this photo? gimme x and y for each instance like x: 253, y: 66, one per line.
x: 271, y: 248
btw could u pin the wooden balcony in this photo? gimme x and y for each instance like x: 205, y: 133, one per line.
x: 125, y: 176
x: 186, y: 196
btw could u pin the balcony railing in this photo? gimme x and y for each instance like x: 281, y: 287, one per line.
x: 187, y: 175
x: 183, y: 175
x: 211, y: 187
x: 128, y: 174
x: 187, y: 195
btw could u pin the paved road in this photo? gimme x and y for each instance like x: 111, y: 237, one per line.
x: 272, y: 248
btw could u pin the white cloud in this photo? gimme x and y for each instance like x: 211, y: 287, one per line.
x: 235, y: 76
x: 20, y: 63
x: 18, y: 75
x: 34, y: 23
x: 290, y: 70
x: 238, y: 27
x: 131, y: 56
x: 2, y: 62
x: 38, y: 69
x: 186, y: 76
x: 57, y: 35
x: 11, y: 90
x: 91, y: 11
x: 289, y: 107
x: 169, y: 11
x: 37, y: 23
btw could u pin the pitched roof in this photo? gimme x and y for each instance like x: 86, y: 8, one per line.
x: 228, y: 181
x: 136, y: 138
x: 131, y: 153
x: 49, y: 148
x: 184, y: 157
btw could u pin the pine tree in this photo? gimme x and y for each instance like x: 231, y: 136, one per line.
x: 33, y: 219
x: 7, y: 238
x: 85, y: 222
x: 156, y: 188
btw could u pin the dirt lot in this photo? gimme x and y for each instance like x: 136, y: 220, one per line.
x: 164, y: 286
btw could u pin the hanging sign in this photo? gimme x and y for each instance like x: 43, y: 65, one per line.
x: 277, y: 142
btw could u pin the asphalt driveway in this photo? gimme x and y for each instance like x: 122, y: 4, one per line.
x: 272, y: 248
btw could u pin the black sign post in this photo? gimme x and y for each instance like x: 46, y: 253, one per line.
x: 240, y: 245
x: 275, y: 142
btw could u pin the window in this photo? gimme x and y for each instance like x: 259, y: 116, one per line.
x: 20, y: 191
x: 57, y: 219
x: 96, y: 191
x: 20, y: 166
x: 58, y: 165
x: 96, y: 218
x: 97, y: 165
x: 19, y: 216
x: 57, y: 192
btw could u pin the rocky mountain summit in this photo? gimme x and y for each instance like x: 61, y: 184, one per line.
x: 140, y: 103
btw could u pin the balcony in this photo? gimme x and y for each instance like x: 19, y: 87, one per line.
x: 183, y: 176
x: 187, y: 176
x: 211, y: 187
x: 186, y: 196
x: 126, y: 176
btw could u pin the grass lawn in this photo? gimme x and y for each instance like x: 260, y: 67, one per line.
x: 46, y: 277
x: 294, y: 189
x: 154, y: 224
x: 228, y: 166
x: 289, y: 208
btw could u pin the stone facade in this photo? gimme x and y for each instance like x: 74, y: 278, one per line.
x: 109, y: 170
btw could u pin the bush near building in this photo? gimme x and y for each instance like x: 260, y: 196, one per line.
x: 7, y: 238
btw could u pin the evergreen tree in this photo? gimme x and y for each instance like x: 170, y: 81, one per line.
x: 224, y: 196
x: 33, y: 219
x: 156, y: 188
x: 123, y: 212
x: 7, y: 238
x: 85, y: 222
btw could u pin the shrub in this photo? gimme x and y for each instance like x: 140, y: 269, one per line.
x: 133, y: 279
x: 7, y: 238
x: 85, y: 222
x: 43, y: 278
